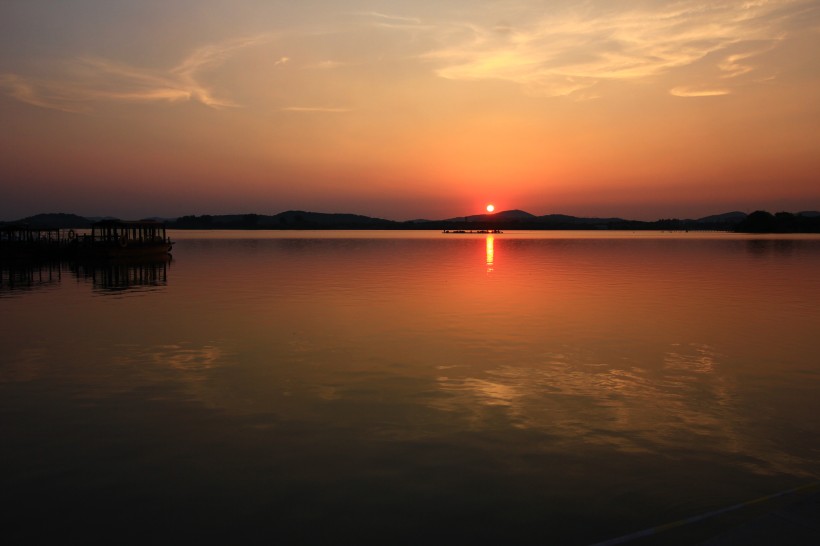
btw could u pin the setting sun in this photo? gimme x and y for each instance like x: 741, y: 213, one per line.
x: 490, y: 208
x: 493, y: 88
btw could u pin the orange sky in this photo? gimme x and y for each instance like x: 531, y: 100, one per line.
x: 640, y: 109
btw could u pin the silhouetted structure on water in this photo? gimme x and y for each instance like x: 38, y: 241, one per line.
x: 107, y: 239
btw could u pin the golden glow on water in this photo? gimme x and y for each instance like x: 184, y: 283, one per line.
x: 490, y: 253
x: 632, y: 361
x: 634, y: 331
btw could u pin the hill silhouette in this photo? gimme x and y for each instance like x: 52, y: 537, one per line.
x: 757, y: 222
x: 293, y: 219
x: 56, y: 220
x: 504, y: 215
x: 783, y: 222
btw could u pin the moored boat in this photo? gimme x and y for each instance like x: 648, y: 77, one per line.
x: 118, y: 238
x: 490, y: 231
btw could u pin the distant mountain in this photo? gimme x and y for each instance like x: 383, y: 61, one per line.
x: 514, y: 214
x: 519, y: 219
x: 303, y: 219
x: 761, y: 221
x: 159, y: 219
x: 565, y: 219
x: 56, y: 220
x: 784, y: 222
x: 727, y: 217
x: 292, y: 219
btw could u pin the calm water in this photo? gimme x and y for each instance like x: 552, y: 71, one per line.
x: 382, y: 387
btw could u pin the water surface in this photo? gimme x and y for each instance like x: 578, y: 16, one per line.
x: 408, y: 387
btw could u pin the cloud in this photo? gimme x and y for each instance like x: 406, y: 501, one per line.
x: 573, y: 50
x: 315, y: 109
x: 23, y: 90
x: 88, y: 80
x: 393, y: 19
x: 397, y: 22
x: 698, y: 92
x: 735, y: 65
x: 399, y: 18
x: 326, y: 65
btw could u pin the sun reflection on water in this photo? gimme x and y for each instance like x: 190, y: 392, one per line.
x: 490, y: 253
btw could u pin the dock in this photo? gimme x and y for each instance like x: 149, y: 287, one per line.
x: 105, y: 239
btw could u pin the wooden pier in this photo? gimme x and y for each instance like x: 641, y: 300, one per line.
x: 105, y: 239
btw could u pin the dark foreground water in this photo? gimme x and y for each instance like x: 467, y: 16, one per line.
x: 406, y: 388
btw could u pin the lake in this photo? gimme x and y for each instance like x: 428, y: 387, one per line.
x: 407, y: 387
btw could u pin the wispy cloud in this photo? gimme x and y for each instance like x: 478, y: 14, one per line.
x: 738, y: 64
x: 326, y: 109
x: 691, y: 91
x: 392, y: 20
x: 89, y: 80
x: 326, y: 65
x: 397, y: 18
x: 38, y: 94
x: 565, y: 53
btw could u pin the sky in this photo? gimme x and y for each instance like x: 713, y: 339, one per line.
x: 640, y: 109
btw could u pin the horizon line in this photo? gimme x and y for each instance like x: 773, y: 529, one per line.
x: 418, y: 219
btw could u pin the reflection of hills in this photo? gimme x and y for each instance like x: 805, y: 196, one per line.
x: 108, y: 276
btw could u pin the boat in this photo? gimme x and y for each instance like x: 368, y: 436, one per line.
x: 490, y: 231
x: 123, y: 239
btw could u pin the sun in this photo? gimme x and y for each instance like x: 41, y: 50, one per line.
x: 490, y: 208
